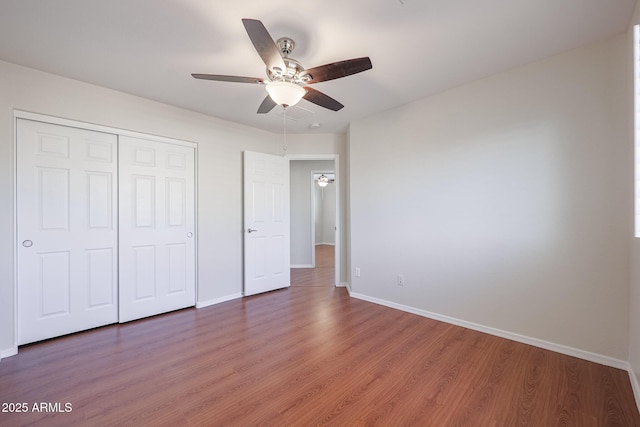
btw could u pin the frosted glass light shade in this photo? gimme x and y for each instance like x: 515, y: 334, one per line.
x: 323, y: 180
x: 285, y: 93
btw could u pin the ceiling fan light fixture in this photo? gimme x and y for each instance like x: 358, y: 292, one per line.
x: 285, y: 93
x: 323, y: 180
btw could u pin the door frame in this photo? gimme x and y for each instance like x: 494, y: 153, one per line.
x: 336, y: 167
x: 314, y: 217
x: 21, y: 114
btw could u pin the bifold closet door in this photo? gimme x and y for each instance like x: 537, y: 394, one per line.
x: 66, y: 230
x: 156, y: 227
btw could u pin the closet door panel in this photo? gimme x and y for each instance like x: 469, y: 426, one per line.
x: 66, y: 230
x: 157, y: 223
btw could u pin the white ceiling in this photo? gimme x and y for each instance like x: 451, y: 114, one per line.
x: 417, y: 47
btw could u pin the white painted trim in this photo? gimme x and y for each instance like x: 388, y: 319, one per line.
x: 12, y: 351
x: 20, y: 114
x: 312, y: 156
x: 558, y: 348
x: 202, y: 304
x: 343, y: 285
x: 302, y: 266
x: 195, y: 218
x: 325, y: 244
x: 312, y: 220
x: 14, y: 187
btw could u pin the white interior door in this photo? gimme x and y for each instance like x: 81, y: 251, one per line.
x: 66, y: 230
x: 157, y: 227
x: 266, y: 223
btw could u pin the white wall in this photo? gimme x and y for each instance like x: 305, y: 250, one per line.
x: 300, y: 184
x: 505, y: 202
x: 634, y: 291
x: 220, y: 146
x: 318, y: 210
x: 325, y: 214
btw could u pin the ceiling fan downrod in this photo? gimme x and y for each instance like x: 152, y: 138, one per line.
x: 286, y: 46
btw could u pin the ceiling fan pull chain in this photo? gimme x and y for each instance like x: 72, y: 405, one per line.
x: 284, y: 125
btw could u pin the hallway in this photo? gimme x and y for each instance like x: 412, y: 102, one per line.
x: 322, y: 275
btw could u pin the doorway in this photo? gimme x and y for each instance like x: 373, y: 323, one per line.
x: 315, y: 239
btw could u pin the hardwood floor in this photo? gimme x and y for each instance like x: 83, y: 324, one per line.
x: 306, y: 356
x: 324, y: 272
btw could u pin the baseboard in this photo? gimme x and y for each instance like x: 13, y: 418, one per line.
x: 12, y: 351
x: 342, y: 285
x: 558, y: 348
x: 202, y: 304
x: 326, y: 244
x: 303, y: 266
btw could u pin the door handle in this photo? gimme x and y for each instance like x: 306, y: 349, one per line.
x: 251, y: 230
x: 189, y: 234
x: 27, y: 243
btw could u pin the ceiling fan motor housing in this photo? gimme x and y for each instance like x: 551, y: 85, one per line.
x: 294, y: 70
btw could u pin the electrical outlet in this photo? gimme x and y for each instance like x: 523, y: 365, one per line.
x: 357, y: 271
x: 400, y: 279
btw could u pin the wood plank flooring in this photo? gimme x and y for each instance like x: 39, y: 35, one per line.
x: 306, y: 356
x: 324, y: 272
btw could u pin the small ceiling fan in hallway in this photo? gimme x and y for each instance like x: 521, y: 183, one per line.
x: 287, y: 80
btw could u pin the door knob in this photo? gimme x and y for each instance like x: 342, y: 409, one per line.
x: 189, y: 234
x: 251, y: 230
x: 27, y: 243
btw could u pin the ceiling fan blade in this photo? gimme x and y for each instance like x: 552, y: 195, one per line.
x: 266, y: 106
x: 322, y: 99
x: 264, y: 44
x: 234, y: 79
x: 337, y: 70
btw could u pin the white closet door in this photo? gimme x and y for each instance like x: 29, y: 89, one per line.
x: 157, y: 227
x: 67, y: 234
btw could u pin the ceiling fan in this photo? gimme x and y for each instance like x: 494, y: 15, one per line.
x: 287, y: 80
